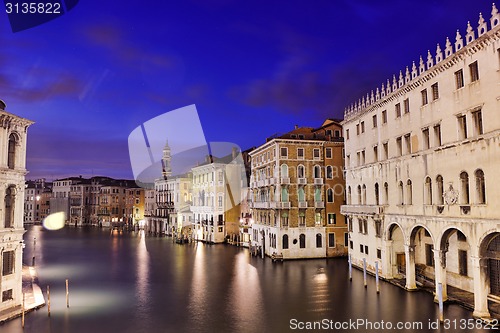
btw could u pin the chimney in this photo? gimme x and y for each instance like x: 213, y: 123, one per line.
x: 234, y: 152
x: 2, y: 105
x: 296, y: 126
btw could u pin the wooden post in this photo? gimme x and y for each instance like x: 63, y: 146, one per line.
x: 440, y: 300
x: 67, y: 294
x: 376, y: 277
x: 22, y: 320
x: 364, y: 271
x: 48, y: 300
x: 350, y: 268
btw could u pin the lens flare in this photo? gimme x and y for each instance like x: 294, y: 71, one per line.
x: 54, y: 221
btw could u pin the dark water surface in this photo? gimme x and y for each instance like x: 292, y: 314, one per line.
x: 132, y: 283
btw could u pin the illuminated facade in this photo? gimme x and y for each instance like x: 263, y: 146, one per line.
x: 297, y: 188
x: 13, y: 137
x: 422, y: 155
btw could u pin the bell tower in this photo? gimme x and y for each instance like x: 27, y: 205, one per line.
x: 166, y: 162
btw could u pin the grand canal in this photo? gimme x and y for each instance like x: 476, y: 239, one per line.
x: 129, y: 282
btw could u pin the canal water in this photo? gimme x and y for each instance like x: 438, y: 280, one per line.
x: 129, y: 282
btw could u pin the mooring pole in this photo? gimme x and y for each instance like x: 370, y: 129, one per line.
x: 376, y: 277
x: 364, y: 271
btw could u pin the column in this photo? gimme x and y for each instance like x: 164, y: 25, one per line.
x: 440, y: 273
x: 387, y: 264
x: 410, y: 267
x: 481, y: 287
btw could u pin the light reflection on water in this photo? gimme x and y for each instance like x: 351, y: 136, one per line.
x: 132, y: 283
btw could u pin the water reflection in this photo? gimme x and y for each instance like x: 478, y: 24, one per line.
x: 246, y: 295
x: 197, y: 297
x: 142, y: 280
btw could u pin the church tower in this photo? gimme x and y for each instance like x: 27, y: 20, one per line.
x: 166, y: 162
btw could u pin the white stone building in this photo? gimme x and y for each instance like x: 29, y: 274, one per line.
x: 422, y: 157
x: 13, y: 136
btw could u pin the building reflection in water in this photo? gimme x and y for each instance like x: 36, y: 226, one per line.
x: 197, y: 298
x: 142, y: 280
x: 246, y: 302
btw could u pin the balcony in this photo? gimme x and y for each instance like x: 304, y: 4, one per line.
x: 260, y: 183
x: 319, y: 204
x: 272, y: 181
x: 302, y: 204
x: 261, y: 205
x: 285, y: 180
x: 274, y: 204
x: 362, y: 209
x: 284, y: 205
x: 318, y: 181
x: 302, y: 181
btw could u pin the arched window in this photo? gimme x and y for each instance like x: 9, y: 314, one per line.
x: 11, y: 157
x: 285, y: 241
x: 284, y: 171
x: 317, y: 171
x: 440, y: 190
x: 284, y: 194
x: 359, y: 194
x: 377, y: 197
x: 319, y: 240
x: 363, y: 192
x: 329, y: 195
x: 301, y: 172
x: 349, y: 195
x: 428, y: 191
x: 401, y: 195
x: 317, y: 194
x: 329, y: 172
x: 386, y: 193
x: 301, y: 194
x: 480, y: 186
x: 464, y: 188
x: 9, y: 208
x: 409, y: 192
x: 302, y: 241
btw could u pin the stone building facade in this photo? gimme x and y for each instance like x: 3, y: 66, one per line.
x: 296, y: 194
x: 13, y: 137
x: 422, y: 154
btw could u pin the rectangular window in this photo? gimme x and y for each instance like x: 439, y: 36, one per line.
x: 478, y: 122
x: 385, y: 145
x: 424, y: 97
x: 284, y: 152
x: 337, y: 133
x: 8, y: 263
x: 425, y: 138
x: 361, y: 248
x: 462, y: 262
x: 406, y: 103
x: 357, y: 129
x: 348, y: 160
x: 351, y: 245
x: 375, y: 153
x: 316, y: 153
x: 7, y: 295
x: 328, y: 152
x: 379, y: 254
x: 332, y: 218
x: 374, y: 119
x: 462, y: 127
x: 407, y: 144
x: 300, y: 153
x: 362, y: 127
x: 331, y: 239
x: 398, y: 110
x: 359, y: 158
x: 366, y: 249
x: 435, y: 91
x: 346, y: 239
x: 363, y: 157
x: 437, y: 135
x: 347, y: 134
x: 459, y: 79
x: 474, y: 72
x: 384, y: 117
x: 399, y: 146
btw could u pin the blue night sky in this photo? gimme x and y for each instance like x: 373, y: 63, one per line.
x: 253, y: 68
